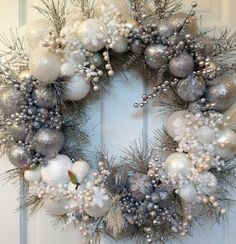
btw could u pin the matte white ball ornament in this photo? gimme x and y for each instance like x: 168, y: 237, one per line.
x: 96, y: 211
x: 188, y: 193
x: 67, y: 70
x: 178, y: 164
x: 55, y: 207
x: 93, y: 34
x: 56, y: 171
x: 207, y: 183
x: 45, y: 65
x: 33, y: 175
x: 76, y: 88
x: 81, y: 169
x: 37, y: 31
x: 120, y: 44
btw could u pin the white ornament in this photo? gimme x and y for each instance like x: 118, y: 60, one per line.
x: 93, y: 34
x: 230, y: 117
x: 74, y: 15
x: 176, y: 124
x: 226, y: 143
x: 96, y: 59
x: 120, y: 44
x: 206, y: 135
x: 55, y: 207
x: 45, y: 65
x: 67, y: 70
x: 81, y: 169
x: 207, y: 183
x: 178, y: 164
x: 33, y: 175
x: 37, y: 31
x: 56, y: 171
x: 100, y: 204
x: 75, y: 57
x: 188, y: 193
x: 76, y: 88
x: 102, y: 6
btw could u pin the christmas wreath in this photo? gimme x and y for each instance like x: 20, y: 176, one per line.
x: 156, y: 193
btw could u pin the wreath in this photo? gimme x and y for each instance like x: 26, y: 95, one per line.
x: 46, y: 80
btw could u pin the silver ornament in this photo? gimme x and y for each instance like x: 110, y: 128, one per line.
x: 222, y: 94
x: 43, y: 97
x: 18, y: 131
x: 18, y: 156
x: 182, y: 65
x: 191, y: 88
x: 48, y: 142
x: 150, y: 22
x: 207, y: 48
x: 155, y: 56
x: 178, y: 19
x: 165, y: 29
x: 11, y: 100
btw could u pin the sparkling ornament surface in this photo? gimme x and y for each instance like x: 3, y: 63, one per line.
x: 11, y: 100
x: 191, y: 88
x: 207, y: 183
x: 207, y: 48
x: 182, y: 65
x: 48, y: 142
x: 56, y: 171
x: 165, y: 29
x: 92, y: 33
x: 37, y: 31
x: 18, y: 131
x: 45, y: 65
x: 155, y: 56
x: 222, y: 94
x: 43, y: 97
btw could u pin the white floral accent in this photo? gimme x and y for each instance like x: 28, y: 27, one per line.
x: 99, y: 197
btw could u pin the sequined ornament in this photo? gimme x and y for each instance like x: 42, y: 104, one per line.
x: 165, y: 29
x: 206, y: 44
x: 93, y: 34
x: 48, y: 142
x: 18, y: 155
x: 11, y: 99
x: 155, y: 56
x: 191, y: 88
x: 182, y: 65
x: 139, y: 186
x: 43, y: 97
x: 222, y: 94
x: 178, y: 19
x: 45, y: 65
x: 18, y: 131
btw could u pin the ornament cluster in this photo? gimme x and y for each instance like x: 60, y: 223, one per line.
x: 156, y: 194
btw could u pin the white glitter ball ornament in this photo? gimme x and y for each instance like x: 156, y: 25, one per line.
x: 93, y: 34
x: 37, y: 31
x: 45, y: 65
x: 56, y: 171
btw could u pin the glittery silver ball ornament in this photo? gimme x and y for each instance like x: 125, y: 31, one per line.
x: 222, y: 94
x: 18, y: 131
x: 165, y: 29
x: 191, y: 88
x: 207, y: 48
x: 139, y: 186
x: 48, y: 142
x: 182, y: 65
x: 155, y: 56
x: 179, y: 19
x: 11, y: 100
x: 18, y: 156
x: 43, y: 97
x: 150, y: 21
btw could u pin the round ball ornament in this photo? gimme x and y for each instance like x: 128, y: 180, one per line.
x: 18, y: 156
x: 48, y: 142
x: 188, y: 193
x: 67, y: 70
x: 207, y: 48
x: 33, y: 175
x: 93, y: 34
x: 56, y: 171
x: 81, y: 169
x: 207, y: 183
x: 11, y: 100
x: 182, y: 65
x: 222, y: 94
x: 155, y: 56
x: 37, y: 31
x: 165, y: 29
x: 120, y: 44
x: 206, y: 135
x: 191, y: 88
x: 55, y: 207
x: 43, y: 97
x: 18, y: 131
x: 178, y: 164
x: 45, y: 65
x: 76, y: 88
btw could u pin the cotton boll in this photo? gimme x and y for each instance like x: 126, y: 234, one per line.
x: 55, y: 207
x: 76, y: 88
x: 81, y: 169
x: 33, y: 175
x: 56, y: 171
